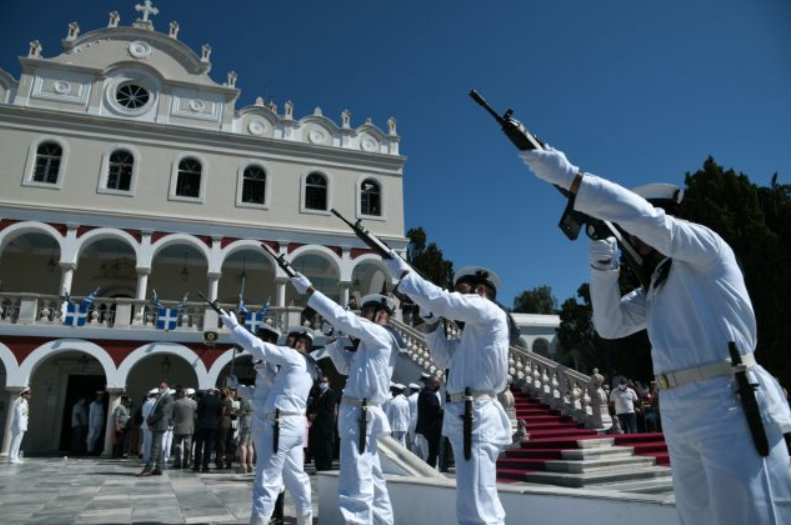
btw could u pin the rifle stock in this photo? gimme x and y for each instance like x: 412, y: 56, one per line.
x: 572, y: 221
x: 280, y: 260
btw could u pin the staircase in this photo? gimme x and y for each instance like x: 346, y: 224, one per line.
x: 559, y: 451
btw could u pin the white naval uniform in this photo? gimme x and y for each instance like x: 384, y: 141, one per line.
x: 398, y: 416
x: 289, y: 394
x: 362, y: 490
x: 477, y: 360
x: 410, y: 440
x: 95, y: 422
x: 145, y: 411
x: 18, y: 428
x: 718, y: 475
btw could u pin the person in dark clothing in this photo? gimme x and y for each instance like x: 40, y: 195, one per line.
x: 123, y: 423
x: 429, y: 418
x: 210, y: 409
x: 158, y: 422
x: 321, y: 414
x: 223, y: 450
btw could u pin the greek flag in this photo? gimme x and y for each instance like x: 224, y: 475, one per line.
x: 252, y: 320
x: 167, y: 318
x: 77, y: 314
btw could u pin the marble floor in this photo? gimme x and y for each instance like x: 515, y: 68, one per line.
x: 56, y: 491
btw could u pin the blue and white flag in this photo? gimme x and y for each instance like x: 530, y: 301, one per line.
x: 77, y: 314
x: 167, y: 318
x: 252, y: 320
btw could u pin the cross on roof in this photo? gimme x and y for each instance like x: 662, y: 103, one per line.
x: 146, y: 9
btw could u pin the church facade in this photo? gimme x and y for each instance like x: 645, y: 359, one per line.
x: 130, y: 182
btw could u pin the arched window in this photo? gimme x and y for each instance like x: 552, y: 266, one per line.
x: 188, y: 183
x: 370, y: 198
x: 48, y: 157
x: 119, y: 171
x: 316, y: 192
x: 254, y: 185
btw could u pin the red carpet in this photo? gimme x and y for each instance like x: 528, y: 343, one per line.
x: 549, y: 433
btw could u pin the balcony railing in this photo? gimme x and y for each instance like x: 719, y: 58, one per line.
x: 124, y: 313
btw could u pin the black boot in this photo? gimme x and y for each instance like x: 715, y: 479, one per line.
x: 277, y: 514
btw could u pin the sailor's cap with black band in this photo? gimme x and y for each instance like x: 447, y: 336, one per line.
x: 662, y: 195
x: 266, y: 329
x: 301, y: 331
x: 24, y: 391
x: 476, y: 275
x: 379, y: 301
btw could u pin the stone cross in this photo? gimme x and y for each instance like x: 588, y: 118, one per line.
x: 115, y: 18
x: 147, y: 9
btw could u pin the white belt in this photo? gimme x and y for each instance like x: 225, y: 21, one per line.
x: 270, y: 416
x: 354, y: 402
x: 695, y: 374
x: 477, y: 395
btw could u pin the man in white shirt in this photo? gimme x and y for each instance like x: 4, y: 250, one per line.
x: 95, y: 423
x: 398, y: 414
x: 624, y: 398
x: 414, y: 391
x: 19, y: 424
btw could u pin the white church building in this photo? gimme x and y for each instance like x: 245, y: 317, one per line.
x: 127, y: 169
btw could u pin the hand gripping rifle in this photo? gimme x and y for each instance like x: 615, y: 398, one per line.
x: 746, y: 391
x: 280, y: 260
x: 572, y: 221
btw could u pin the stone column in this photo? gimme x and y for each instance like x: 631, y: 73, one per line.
x: 113, y: 400
x: 214, y: 284
x: 280, y: 291
x: 67, y: 274
x: 345, y: 287
x: 12, y: 394
x: 138, y: 310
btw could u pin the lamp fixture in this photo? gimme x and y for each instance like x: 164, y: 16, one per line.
x: 185, y: 273
x: 52, y: 264
x: 83, y: 363
x: 165, y: 366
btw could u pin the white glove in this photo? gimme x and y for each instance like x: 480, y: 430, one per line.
x: 551, y: 165
x: 301, y: 283
x: 395, y: 265
x: 229, y: 320
x: 603, y: 254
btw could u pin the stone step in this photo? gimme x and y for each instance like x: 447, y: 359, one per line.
x: 598, y: 465
x: 559, y: 433
x: 586, y: 479
x: 581, y: 454
x: 567, y: 443
x: 646, y: 486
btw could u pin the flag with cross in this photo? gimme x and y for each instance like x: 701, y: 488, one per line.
x: 76, y: 314
x: 167, y: 318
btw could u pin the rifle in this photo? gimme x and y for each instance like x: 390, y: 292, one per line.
x: 373, y: 242
x: 214, y: 304
x: 280, y: 260
x: 746, y: 391
x: 572, y: 221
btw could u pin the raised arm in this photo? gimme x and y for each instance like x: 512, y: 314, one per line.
x: 348, y: 322
x: 452, y: 305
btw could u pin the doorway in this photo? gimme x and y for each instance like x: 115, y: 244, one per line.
x: 80, y: 386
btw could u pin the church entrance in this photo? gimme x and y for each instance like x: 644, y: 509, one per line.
x: 78, y: 387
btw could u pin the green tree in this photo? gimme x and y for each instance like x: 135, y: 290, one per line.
x: 539, y: 300
x: 428, y: 259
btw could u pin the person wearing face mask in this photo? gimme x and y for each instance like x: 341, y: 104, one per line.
x: 321, y: 414
x: 727, y: 469
x: 624, y: 398
x: 474, y: 420
x: 361, y: 489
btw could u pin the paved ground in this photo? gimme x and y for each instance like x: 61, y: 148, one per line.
x: 55, y: 491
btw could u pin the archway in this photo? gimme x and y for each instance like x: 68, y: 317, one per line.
x: 30, y: 263
x: 323, y: 272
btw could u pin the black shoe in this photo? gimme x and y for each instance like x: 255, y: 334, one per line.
x: 156, y: 472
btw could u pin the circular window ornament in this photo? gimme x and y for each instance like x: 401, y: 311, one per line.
x: 256, y: 127
x: 61, y: 87
x: 139, y: 49
x: 197, y: 105
x: 317, y: 136
x: 369, y: 144
x: 132, y: 96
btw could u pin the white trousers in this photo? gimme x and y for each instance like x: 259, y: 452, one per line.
x: 167, y: 444
x: 16, y: 442
x: 93, y: 435
x: 420, y: 447
x: 477, y: 501
x: 362, y: 491
x: 718, y: 476
x: 272, y: 471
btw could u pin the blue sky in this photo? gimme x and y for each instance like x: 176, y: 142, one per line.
x: 634, y: 91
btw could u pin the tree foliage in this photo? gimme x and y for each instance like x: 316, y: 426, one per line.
x: 428, y: 259
x: 756, y: 222
x: 539, y: 300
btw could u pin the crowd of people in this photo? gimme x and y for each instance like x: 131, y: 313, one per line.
x: 635, y: 407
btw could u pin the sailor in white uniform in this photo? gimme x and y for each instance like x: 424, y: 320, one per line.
x: 257, y: 395
x: 19, y: 425
x: 362, y: 490
x: 398, y: 414
x: 696, y: 304
x: 284, y: 414
x: 410, y: 436
x: 95, y: 421
x: 478, y: 364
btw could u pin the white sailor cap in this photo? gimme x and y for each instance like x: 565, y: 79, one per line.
x: 383, y: 301
x: 190, y: 391
x: 477, y: 275
x: 24, y: 391
x: 414, y: 386
x: 662, y: 195
x: 301, y: 331
x: 399, y: 386
x: 424, y: 376
x: 267, y: 328
x: 153, y: 392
